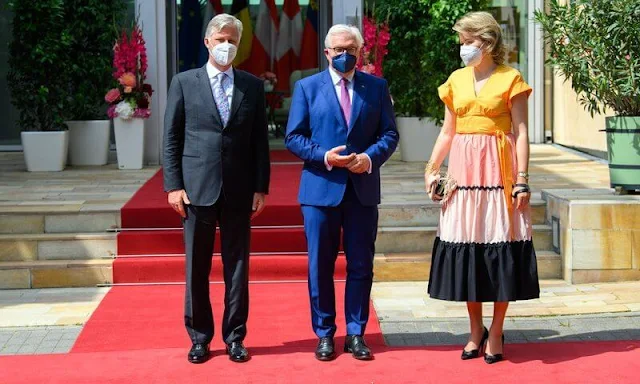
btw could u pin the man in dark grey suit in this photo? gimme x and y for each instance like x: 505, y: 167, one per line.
x: 216, y: 171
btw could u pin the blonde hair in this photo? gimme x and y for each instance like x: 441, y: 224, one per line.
x: 482, y: 25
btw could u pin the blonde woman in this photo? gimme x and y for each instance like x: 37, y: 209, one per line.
x: 483, y: 251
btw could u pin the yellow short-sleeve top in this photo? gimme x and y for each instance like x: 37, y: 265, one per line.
x: 489, y: 110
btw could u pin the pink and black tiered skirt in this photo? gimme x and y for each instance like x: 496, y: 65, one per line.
x: 474, y: 257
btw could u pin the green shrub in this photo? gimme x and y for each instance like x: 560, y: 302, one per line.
x: 595, y: 45
x: 423, y: 51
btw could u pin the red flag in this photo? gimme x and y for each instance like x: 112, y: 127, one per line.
x: 265, y: 37
x: 289, y: 39
x: 309, y: 48
x: 217, y: 6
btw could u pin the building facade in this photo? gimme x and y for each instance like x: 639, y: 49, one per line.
x: 173, y: 32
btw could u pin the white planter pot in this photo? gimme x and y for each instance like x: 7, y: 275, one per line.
x: 129, y: 142
x: 89, y: 142
x: 45, y: 151
x: 417, y: 138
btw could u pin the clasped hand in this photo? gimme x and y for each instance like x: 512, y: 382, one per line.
x: 356, y: 163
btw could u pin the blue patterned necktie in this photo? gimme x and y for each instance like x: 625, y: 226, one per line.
x: 220, y: 95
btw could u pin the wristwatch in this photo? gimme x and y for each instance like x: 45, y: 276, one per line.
x: 523, y: 174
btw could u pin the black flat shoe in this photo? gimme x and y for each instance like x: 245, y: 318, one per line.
x: 466, y: 355
x: 237, y: 352
x: 357, y: 347
x: 492, y: 359
x: 199, y: 353
x: 326, y: 350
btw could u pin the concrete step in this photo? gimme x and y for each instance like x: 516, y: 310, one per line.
x: 56, y: 246
x: 416, y: 266
x: 420, y: 239
x: 56, y: 221
x: 43, y: 219
x: 55, y: 273
x: 425, y: 214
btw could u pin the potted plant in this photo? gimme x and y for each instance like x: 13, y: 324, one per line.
x: 129, y: 101
x: 423, y: 53
x: 91, y: 38
x: 594, y: 45
x: 38, y: 50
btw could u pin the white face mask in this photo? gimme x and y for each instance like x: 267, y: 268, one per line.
x: 470, y: 54
x: 224, y: 53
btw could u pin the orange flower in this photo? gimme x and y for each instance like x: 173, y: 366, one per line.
x: 128, y: 80
x: 128, y: 89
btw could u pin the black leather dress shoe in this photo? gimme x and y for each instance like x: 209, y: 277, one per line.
x: 237, y: 352
x: 326, y: 350
x: 199, y: 353
x: 357, y: 347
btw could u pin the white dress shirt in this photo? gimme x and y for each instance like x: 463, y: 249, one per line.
x: 213, y: 72
x: 337, y: 85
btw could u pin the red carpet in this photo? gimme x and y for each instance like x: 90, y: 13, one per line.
x: 171, y: 269
x: 283, y: 156
x: 277, y: 231
x: 148, y: 207
x: 136, y: 336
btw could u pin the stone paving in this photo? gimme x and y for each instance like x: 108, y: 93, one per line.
x: 409, y: 301
x: 48, y: 307
x: 37, y: 340
x: 76, y: 189
x: 550, y: 168
x: 564, y: 312
x: 517, y: 330
x: 108, y: 188
x: 35, y: 321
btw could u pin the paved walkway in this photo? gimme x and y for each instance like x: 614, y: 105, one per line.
x: 76, y: 189
x: 564, y: 312
x: 49, y: 320
x: 107, y: 188
x: 517, y: 330
x: 35, y: 321
x: 550, y: 168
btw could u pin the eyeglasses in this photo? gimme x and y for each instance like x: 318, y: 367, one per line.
x: 341, y: 50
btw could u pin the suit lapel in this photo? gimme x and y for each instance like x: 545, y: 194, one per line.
x: 359, y: 90
x: 329, y: 91
x: 239, y: 91
x: 206, y: 94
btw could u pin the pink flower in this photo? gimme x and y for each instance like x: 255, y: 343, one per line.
x: 376, y: 37
x: 111, y: 111
x: 628, y: 57
x: 142, y: 113
x: 112, y: 96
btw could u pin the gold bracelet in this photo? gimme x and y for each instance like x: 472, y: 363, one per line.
x: 524, y: 175
x: 430, y: 168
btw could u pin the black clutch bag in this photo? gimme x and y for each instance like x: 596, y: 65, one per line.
x: 440, y: 187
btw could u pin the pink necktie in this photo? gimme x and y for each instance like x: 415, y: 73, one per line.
x: 345, y: 102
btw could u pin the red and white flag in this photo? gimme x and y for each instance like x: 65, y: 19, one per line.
x: 265, y: 35
x: 288, y: 46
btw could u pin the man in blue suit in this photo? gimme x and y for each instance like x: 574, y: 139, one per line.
x: 342, y: 125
